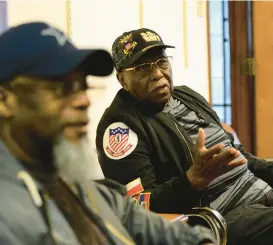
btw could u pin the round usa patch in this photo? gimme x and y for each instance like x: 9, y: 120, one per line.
x: 119, y: 141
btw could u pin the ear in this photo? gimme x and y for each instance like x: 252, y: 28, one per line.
x: 120, y: 77
x: 6, y: 99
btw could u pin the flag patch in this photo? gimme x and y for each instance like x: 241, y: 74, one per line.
x: 144, y: 200
x: 119, y: 141
x: 134, y: 187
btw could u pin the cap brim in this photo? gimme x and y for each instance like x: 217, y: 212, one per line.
x: 95, y: 62
x: 140, y: 53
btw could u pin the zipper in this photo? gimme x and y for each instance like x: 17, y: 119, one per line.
x: 192, y: 159
x: 44, y: 210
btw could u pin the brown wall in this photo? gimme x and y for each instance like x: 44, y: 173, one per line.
x: 241, y: 85
x: 263, y: 52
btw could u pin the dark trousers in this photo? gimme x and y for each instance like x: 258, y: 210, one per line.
x: 251, y: 224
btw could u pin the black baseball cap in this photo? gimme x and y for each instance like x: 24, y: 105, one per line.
x: 38, y: 49
x: 130, y: 46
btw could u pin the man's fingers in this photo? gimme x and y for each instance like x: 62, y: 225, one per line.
x: 224, y: 158
x: 236, y: 163
x: 225, y: 163
x: 200, y: 143
x: 233, y: 164
x: 207, y: 154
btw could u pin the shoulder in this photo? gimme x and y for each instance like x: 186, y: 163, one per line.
x: 122, y: 113
x: 118, y: 114
x: 120, y: 129
x: 187, y: 91
x: 16, y: 199
x: 14, y: 195
x: 120, y: 102
x: 17, y: 205
x: 16, y: 208
x: 107, y: 185
x: 182, y: 87
x: 113, y: 193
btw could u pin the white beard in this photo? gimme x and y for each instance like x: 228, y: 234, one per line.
x: 76, y: 163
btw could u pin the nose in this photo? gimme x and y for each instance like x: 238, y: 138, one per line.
x: 80, y: 100
x: 156, y: 73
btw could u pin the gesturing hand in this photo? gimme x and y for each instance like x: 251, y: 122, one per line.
x: 211, y: 163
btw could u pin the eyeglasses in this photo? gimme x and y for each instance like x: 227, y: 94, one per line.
x: 162, y: 64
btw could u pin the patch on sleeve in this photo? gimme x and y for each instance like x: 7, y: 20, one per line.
x: 143, y: 199
x: 119, y: 141
x: 134, y: 187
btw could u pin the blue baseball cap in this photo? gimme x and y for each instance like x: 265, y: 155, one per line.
x: 40, y: 50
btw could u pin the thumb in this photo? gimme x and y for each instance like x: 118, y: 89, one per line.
x: 200, y: 142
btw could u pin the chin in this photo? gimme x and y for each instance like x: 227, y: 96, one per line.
x: 160, y: 104
x: 163, y: 99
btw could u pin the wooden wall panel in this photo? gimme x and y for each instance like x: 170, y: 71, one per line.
x: 263, y: 47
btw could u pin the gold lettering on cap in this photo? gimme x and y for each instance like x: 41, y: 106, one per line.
x: 150, y: 36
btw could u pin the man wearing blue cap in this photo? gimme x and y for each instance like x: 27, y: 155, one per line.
x: 45, y: 196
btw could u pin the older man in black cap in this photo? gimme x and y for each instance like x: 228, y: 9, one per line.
x: 46, y: 197
x: 171, y: 139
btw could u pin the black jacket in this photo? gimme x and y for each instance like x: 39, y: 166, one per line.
x: 163, y: 153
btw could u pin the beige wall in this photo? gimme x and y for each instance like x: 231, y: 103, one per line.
x: 51, y: 11
x: 263, y: 49
x: 96, y: 23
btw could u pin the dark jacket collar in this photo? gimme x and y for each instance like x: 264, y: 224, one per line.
x: 145, y: 107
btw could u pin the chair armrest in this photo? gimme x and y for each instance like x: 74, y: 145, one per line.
x: 175, y: 217
x: 213, y: 220
x: 204, y: 216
